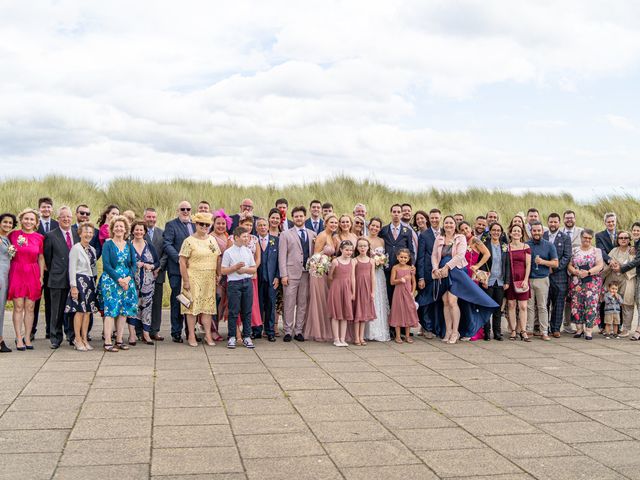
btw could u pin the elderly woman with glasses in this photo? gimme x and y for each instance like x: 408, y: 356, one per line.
x: 585, y: 284
x: 621, y: 255
x: 200, y: 271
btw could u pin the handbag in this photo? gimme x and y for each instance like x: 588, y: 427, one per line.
x: 184, y: 300
x: 481, y: 276
x: 519, y: 286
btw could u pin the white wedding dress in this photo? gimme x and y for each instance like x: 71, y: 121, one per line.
x: 378, y: 329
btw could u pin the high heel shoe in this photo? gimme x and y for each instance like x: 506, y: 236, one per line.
x: 446, y: 338
x: 454, y: 338
x: 513, y: 335
x: 20, y: 349
x: 28, y: 347
x: 579, y: 334
x: 524, y: 337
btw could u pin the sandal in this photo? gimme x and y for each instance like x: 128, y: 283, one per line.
x: 122, y: 346
x: 635, y: 337
x: 109, y: 348
x: 363, y: 343
x: 409, y: 340
x: 398, y: 340
x: 513, y: 335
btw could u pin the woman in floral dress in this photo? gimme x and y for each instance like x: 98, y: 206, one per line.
x: 585, y: 284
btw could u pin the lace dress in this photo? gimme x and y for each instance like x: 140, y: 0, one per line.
x: 378, y: 329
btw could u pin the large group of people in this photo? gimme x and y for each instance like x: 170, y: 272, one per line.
x: 346, y: 278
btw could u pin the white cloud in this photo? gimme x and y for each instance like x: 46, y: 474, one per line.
x: 282, y: 91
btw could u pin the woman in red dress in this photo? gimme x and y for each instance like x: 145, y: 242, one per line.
x: 520, y: 261
x: 25, y: 275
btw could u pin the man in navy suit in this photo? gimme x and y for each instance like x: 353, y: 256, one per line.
x: 558, y: 279
x: 607, y: 238
x: 46, y: 224
x: 396, y: 236
x: 426, y: 241
x: 315, y: 222
x: 175, y: 232
x: 246, y: 209
x: 268, y: 280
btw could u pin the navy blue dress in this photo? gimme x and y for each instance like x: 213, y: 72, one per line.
x: 476, y: 307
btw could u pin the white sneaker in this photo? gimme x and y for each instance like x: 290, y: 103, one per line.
x: 248, y: 343
x: 232, y: 342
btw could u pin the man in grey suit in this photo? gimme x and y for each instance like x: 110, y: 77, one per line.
x: 155, y: 236
x: 574, y: 232
x: 296, y: 246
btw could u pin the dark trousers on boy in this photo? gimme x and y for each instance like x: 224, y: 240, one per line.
x: 240, y: 297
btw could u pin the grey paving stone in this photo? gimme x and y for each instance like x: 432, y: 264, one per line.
x: 128, y: 370
x: 376, y: 389
x: 445, y: 393
x: 582, y: 432
x: 437, y: 438
x: 185, y: 461
x: 322, y: 397
x: 230, y: 368
x: 482, y: 461
x: 106, y: 452
x: 121, y: 472
x: 369, y: 454
x: 534, y: 445
x: 567, y: 468
x: 34, y: 466
x: 360, y: 377
x: 393, y: 403
x: 37, y: 420
x: 590, y: 404
x: 620, y: 394
x: 120, y: 394
x: 81, y: 376
x: 516, y: 399
x: 424, y: 381
x: 329, y: 413
x: 350, y: 431
x: 334, y: 366
x: 546, y: 414
x: 174, y: 400
x: 501, y: 425
x: 56, y: 389
x: 278, y: 445
x: 406, y: 472
x: 258, y: 406
x: 613, y: 454
x: 124, y: 409
x: 190, y: 416
x: 616, y: 418
x: 267, y: 424
x: 467, y: 408
x: 413, y: 419
x: 185, y: 386
x: 56, y: 403
x: 224, y: 380
x: 35, y: 441
x: 123, y: 382
x: 251, y: 391
x: 104, y: 428
x: 303, y: 468
x: 183, y: 436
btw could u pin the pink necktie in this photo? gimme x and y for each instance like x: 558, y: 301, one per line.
x: 263, y: 242
x: 69, y: 244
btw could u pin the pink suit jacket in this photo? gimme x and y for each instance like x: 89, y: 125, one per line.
x: 458, y: 252
x: 290, y: 253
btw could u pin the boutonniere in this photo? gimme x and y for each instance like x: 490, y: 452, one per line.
x: 213, y: 247
x: 504, y: 248
x: 272, y: 242
x: 404, y: 229
x: 22, y: 241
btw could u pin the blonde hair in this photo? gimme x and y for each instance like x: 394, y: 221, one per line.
x: 28, y: 210
x: 116, y: 219
x: 84, y: 225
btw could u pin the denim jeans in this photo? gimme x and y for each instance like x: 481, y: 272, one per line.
x: 240, y: 297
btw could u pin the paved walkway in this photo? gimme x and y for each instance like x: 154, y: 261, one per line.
x: 566, y: 409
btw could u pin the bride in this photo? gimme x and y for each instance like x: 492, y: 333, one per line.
x: 378, y: 329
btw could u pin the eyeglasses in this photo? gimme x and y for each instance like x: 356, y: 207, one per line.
x: 624, y: 238
x: 587, y: 238
x: 246, y: 206
x: 185, y: 209
x: 84, y: 214
x: 200, y: 224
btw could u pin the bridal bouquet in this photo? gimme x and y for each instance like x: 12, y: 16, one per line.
x: 380, y: 258
x: 318, y: 264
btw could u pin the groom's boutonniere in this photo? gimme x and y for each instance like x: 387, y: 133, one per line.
x: 404, y: 229
x: 272, y: 242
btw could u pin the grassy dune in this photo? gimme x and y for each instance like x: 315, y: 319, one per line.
x: 343, y: 192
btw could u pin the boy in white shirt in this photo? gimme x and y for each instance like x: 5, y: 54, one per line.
x: 239, y: 266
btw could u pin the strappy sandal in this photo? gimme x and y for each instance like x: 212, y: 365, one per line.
x: 513, y: 335
x: 110, y: 348
x: 398, y: 340
x: 409, y: 340
x: 122, y: 346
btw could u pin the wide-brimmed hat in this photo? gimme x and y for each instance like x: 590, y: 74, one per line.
x: 202, y: 217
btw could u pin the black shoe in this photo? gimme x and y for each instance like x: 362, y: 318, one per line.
x: 299, y: 338
x: 287, y: 338
x: 257, y: 335
x: 47, y: 336
x: 177, y: 339
x: 497, y: 336
x: 4, y: 348
x: 55, y: 346
x: 487, y: 334
x: 88, y: 338
x: 252, y: 336
x: 32, y: 336
x: 271, y: 338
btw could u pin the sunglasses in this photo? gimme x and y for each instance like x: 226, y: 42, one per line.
x: 185, y: 209
x: 359, y: 223
x: 84, y: 214
x: 624, y: 238
x: 200, y: 224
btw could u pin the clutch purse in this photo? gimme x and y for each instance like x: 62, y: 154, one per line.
x: 184, y: 300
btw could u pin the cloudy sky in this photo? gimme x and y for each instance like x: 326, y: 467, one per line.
x: 497, y: 93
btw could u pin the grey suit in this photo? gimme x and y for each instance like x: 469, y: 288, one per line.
x: 156, y: 309
x: 4, y: 277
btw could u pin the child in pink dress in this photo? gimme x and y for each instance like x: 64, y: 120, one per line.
x: 341, y: 292
x: 403, y: 307
x: 365, y: 278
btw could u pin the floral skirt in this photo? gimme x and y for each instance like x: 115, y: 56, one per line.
x: 87, y: 301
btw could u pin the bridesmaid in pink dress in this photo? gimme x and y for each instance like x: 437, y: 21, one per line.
x: 25, y: 275
x: 403, y: 306
x: 317, y: 326
x: 256, y: 317
x: 364, y: 308
x: 219, y: 233
x: 341, y: 292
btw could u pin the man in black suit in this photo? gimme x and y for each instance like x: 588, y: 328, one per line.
x: 57, y: 244
x: 155, y: 236
x: 315, y: 222
x: 396, y: 236
x: 46, y: 224
x: 426, y: 241
x: 558, y: 279
x: 246, y: 209
x: 605, y: 241
x: 175, y: 232
x: 268, y: 280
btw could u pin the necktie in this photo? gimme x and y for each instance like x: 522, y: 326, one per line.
x: 69, y: 243
x: 395, y: 233
x: 190, y: 228
x: 613, y: 237
x: 46, y: 227
x: 151, y: 234
x: 315, y: 226
x: 263, y: 242
x: 303, y: 236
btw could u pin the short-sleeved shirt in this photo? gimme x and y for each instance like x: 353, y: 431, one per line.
x: 235, y: 254
x: 546, y: 251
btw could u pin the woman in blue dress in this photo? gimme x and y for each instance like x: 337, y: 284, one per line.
x: 459, y: 306
x: 118, y: 296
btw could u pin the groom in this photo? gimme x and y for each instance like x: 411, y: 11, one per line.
x: 396, y: 236
x: 296, y: 246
